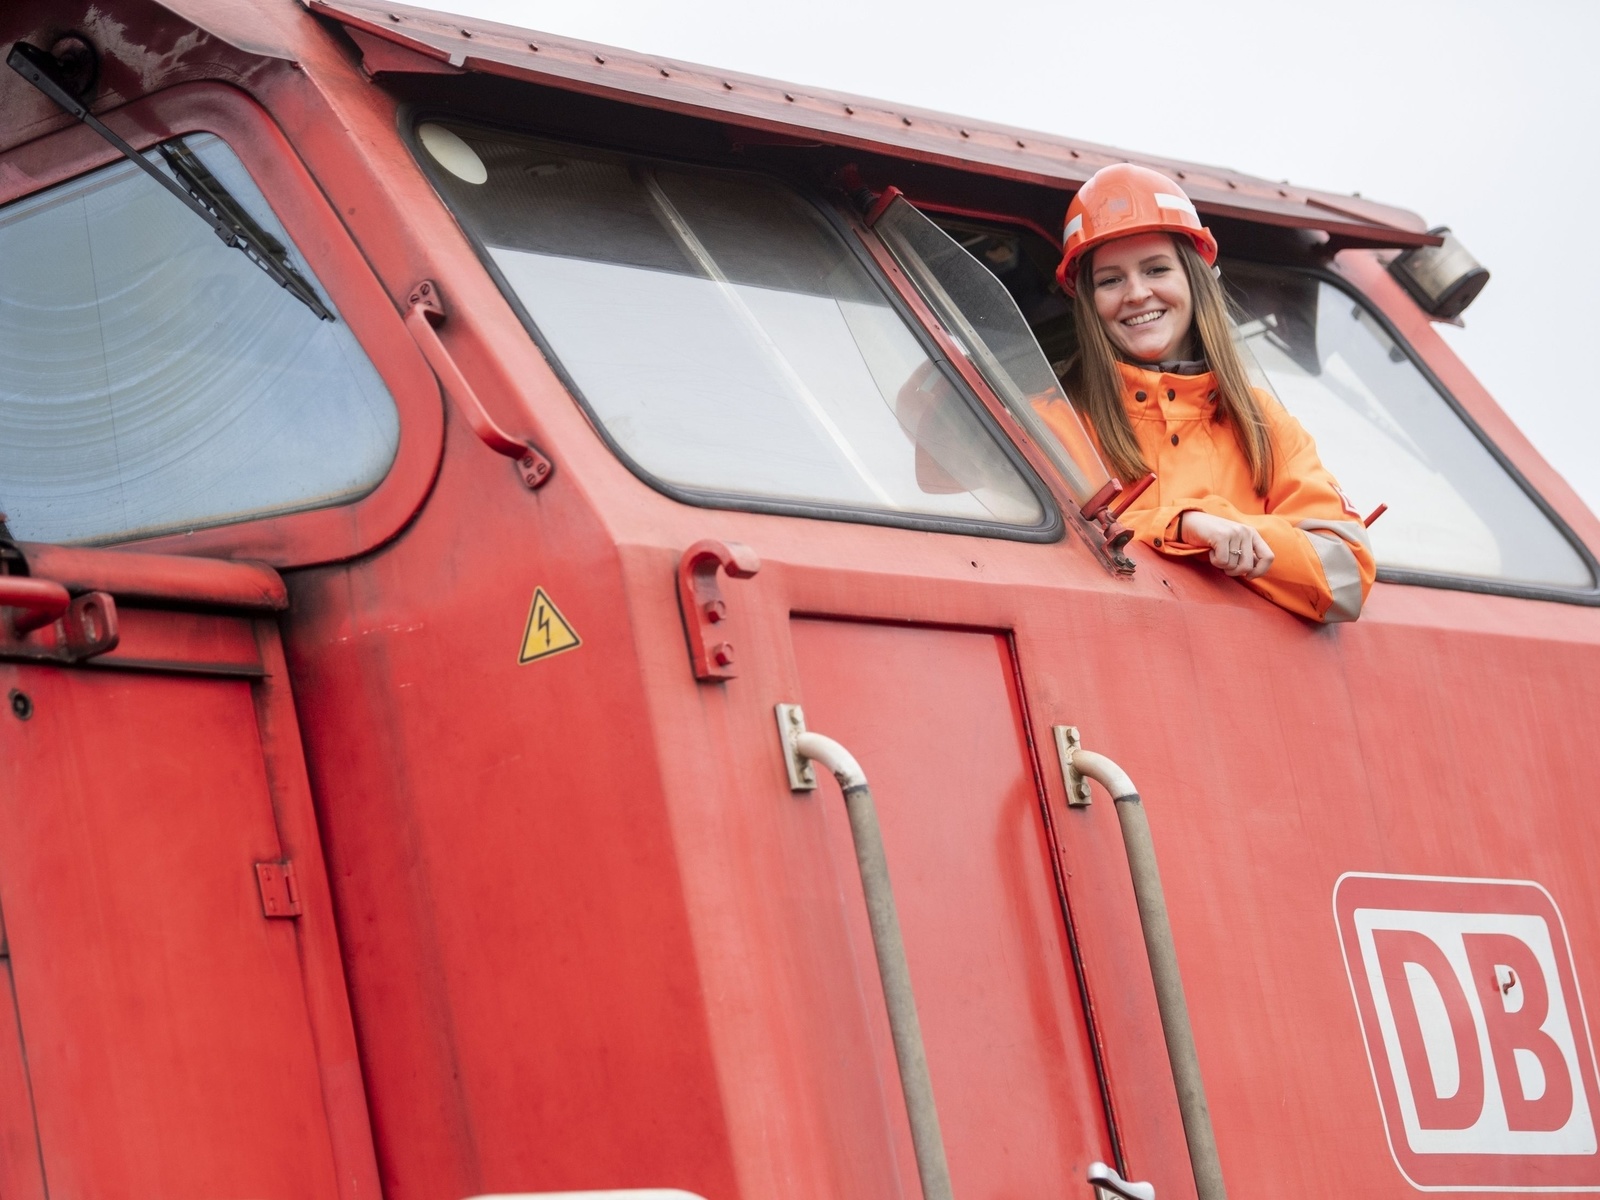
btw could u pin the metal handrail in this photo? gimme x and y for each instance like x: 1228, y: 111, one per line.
x: 801, y: 748
x: 1163, y: 955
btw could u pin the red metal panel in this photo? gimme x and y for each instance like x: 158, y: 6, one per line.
x: 935, y: 718
x: 21, y: 1170
x: 164, y: 1019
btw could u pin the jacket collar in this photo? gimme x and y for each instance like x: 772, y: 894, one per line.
x: 1156, y: 394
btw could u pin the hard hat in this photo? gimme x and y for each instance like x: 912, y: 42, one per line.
x: 1119, y: 201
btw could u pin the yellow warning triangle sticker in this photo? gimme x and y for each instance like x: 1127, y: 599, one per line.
x: 548, y: 632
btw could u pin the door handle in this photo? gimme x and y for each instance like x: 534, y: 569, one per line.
x: 84, y: 625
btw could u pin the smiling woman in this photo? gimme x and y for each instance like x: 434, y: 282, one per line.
x: 1160, y: 379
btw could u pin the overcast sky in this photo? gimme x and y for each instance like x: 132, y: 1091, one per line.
x: 1479, y: 115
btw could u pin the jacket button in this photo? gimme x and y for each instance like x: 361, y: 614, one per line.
x: 1139, y: 396
x: 1158, y: 543
x: 1174, y: 439
x: 1171, y: 395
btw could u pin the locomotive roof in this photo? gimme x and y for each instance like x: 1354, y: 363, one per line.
x: 390, y: 34
x: 150, y: 44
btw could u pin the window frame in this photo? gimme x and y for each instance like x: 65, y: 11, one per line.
x: 1051, y: 529
x: 309, y: 536
x: 1439, y: 579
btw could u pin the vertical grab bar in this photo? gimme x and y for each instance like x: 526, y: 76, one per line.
x: 1078, y: 766
x: 801, y: 748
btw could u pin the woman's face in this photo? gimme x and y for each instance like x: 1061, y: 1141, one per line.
x: 1142, y: 295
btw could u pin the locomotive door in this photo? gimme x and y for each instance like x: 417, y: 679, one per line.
x: 178, y: 996
x: 938, y: 725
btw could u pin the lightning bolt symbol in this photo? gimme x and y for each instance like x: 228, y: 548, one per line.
x: 542, y: 620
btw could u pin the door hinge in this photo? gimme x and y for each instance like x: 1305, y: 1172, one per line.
x: 280, y: 892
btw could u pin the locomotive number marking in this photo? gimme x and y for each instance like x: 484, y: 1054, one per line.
x: 547, y: 632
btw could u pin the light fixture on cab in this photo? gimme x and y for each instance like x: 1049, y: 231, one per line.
x: 1442, y: 279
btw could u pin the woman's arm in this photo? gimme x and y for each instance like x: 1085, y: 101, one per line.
x: 1319, y: 562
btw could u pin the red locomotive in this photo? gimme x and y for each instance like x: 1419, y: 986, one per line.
x: 468, y: 489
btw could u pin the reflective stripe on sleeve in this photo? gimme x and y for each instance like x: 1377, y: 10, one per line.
x: 1339, y: 565
x: 1350, y: 531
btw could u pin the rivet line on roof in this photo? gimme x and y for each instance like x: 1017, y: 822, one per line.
x: 850, y: 110
x: 788, y: 97
x: 1180, y: 175
x: 466, y: 33
x: 1021, y: 145
x: 905, y: 120
x: 599, y: 58
x: 531, y: 46
x: 394, y: 16
x: 1232, y: 184
x: 727, y: 85
x: 964, y: 133
x: 1074, y: 154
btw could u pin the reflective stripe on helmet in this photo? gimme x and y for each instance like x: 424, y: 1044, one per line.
x: 1181, y: 203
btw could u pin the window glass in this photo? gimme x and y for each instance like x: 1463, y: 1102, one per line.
x: 724, y: 335
x: 1390, y: 438
x: 153, y: 379
x: 984, y: 319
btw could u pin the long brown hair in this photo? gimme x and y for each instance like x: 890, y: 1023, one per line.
x: 1096, y: 387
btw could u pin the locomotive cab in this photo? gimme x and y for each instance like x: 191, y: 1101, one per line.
x: 455, y: 471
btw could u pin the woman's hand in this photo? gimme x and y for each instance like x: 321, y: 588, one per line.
x: 1236, y: 549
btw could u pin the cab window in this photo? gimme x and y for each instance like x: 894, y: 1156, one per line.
x: 1391, y: 437
x: 155, y: 380
x: 726, y: 339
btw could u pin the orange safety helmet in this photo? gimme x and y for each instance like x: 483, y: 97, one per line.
x: 1119, y: 201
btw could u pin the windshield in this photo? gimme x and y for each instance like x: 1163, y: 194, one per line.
x: 725, y: 337
x: 153, y: 380
x: 1390, y: 437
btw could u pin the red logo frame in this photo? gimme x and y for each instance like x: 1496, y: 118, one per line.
x: 1475, y: 1031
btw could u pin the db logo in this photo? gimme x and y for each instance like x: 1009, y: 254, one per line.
x: 1475, y: 1031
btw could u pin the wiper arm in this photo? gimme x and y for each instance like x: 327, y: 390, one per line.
x: 199, y: 190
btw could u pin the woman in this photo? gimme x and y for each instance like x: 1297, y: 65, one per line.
x: 1160, y: 379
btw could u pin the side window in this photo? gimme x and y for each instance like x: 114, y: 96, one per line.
x: 153, y: 380
x: 1391, y: 438
x: 725, y: 337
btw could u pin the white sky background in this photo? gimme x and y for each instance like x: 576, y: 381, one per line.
x: 1483, y: 115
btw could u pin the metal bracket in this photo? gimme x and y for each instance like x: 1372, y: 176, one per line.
x: 704, y: 609
x: 791, y: 724
x: 1068, y: 743
x: 79, y: 629
x: 280, y: 891
x: 1108, y: 1185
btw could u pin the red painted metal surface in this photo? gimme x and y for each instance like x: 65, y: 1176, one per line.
x: 581, y: 930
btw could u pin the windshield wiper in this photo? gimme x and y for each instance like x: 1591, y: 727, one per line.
x: 199, y: 190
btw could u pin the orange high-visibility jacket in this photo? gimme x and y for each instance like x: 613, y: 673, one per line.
x: 1323, y: 566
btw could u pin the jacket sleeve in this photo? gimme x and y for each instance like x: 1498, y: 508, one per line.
x: 1322, y: 566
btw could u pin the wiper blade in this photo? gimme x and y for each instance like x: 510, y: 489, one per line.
x: 195, y: 186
